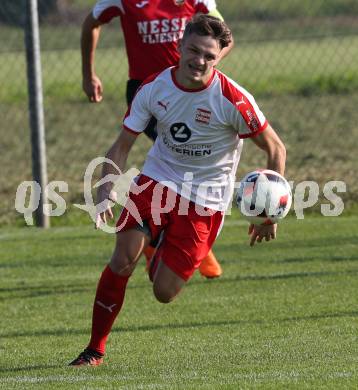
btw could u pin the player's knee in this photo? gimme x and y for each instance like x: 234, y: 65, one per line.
x: 167, y: 284
x: 162, y: 295
x: 122, y: 265
x: 124, y: 258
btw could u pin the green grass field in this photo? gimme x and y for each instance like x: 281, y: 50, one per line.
x: 283, y: 315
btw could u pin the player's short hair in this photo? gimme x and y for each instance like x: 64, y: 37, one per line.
x: 205, y: 25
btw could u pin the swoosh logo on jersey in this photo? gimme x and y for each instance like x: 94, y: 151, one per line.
x: 142, y: 4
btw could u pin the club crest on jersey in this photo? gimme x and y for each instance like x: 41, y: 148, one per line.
x: 179, y: 3
x: 202, y: 116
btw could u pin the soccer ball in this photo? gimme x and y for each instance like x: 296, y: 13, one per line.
x: 264, y: 197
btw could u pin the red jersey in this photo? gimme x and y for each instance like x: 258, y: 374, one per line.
x: 151, y: 29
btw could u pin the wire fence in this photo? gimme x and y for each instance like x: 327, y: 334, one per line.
x: 298, y: 58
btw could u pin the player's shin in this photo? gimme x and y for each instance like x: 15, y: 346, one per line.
x: 107, y: 304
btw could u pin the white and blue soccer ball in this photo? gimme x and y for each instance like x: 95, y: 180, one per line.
x: 264, y: 197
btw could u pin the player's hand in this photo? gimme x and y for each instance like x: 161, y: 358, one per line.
x: 93, y: 89
x: 105, y: 201
x: 259, y: 232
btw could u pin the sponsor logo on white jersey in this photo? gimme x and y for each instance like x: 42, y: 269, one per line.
x: 180, y: 132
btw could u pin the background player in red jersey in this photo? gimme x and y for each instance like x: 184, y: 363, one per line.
x: 231, y: 114
x: 151, y: 31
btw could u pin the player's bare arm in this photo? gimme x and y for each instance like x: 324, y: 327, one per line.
x: 269, y: 142
x: 91, y: 84
x: 118, y: 153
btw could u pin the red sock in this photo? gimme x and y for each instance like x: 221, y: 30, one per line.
x: 107, y: 304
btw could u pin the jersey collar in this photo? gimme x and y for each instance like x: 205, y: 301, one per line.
x: 174, y: 68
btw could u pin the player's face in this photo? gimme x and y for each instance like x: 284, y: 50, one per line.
x: 198, y: 56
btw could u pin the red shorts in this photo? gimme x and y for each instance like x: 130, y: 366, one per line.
x: 187, y: 238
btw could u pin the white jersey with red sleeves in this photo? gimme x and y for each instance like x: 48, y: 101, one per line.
x: 200, y: 134
x: 151, y: 29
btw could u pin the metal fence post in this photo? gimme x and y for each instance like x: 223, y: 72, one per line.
x: 34, y: 77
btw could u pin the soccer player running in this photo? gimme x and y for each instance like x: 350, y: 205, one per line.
x: 151, y: 31
x: 203, y: 117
